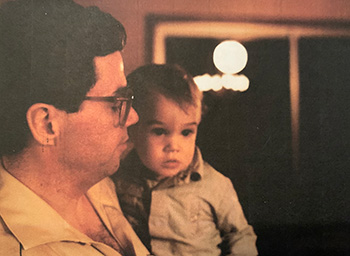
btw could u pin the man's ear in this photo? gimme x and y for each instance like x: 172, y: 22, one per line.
x: 44, y: 123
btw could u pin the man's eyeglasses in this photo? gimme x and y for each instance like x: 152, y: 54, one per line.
x: 122, y: 103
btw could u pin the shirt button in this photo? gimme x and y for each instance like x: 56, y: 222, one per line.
x: 195, y: 176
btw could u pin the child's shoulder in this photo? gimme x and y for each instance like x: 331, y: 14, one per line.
x: 214, y: 185
x: 210, y: 174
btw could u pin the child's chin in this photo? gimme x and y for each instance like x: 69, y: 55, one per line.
x: 168, y: 173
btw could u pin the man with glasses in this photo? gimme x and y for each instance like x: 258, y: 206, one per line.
x: 64, y: 109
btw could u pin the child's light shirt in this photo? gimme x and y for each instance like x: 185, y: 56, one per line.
x: 197, y: 212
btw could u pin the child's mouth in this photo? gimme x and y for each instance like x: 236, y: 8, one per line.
x: 171, y: 164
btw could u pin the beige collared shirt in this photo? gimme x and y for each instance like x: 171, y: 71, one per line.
x: 195, y: 213
x: 30, y: 227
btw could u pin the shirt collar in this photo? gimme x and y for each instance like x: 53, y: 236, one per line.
x: 104, y: 199
x: 197, y: 164
x: 31, y: 220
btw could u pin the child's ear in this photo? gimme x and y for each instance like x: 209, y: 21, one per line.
x: 43, y: 122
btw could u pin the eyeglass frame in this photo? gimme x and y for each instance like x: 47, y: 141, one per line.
x: 126, y: 102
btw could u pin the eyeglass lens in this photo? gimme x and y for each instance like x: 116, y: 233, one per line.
x: 124, y: 112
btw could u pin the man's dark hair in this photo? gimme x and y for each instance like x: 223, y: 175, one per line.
x: 47, y: 49
x: 171, y: 81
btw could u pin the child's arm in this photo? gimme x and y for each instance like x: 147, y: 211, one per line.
x: 237, y: 235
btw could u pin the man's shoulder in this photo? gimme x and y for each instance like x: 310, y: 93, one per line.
x: 9, y: 244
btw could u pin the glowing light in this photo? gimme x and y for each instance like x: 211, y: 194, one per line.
x: 217, y: 82
x: 203, y: 82
x: 230, y: 57
x: 235, y: 82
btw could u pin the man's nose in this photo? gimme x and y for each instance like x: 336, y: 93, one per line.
x: 133, y: 118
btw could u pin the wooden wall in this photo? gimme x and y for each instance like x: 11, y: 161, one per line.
x: 132, y: 14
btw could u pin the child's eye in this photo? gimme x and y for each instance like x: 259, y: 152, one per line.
x: 158, y: 131
x: 187, y: 132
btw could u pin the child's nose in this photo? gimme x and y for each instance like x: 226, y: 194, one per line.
x: 172, y: 145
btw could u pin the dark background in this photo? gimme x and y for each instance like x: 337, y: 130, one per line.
x: 247, y: 137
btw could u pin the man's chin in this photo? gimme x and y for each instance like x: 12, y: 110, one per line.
x: 111, y: 167
x: 129, y: 147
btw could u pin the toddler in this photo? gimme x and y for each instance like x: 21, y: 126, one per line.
x: 176, y: 202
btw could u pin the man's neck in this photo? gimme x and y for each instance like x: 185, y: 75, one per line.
x: 48, y: 179
x: 62, y: 193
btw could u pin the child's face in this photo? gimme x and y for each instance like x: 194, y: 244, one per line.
x: 165, y: 136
